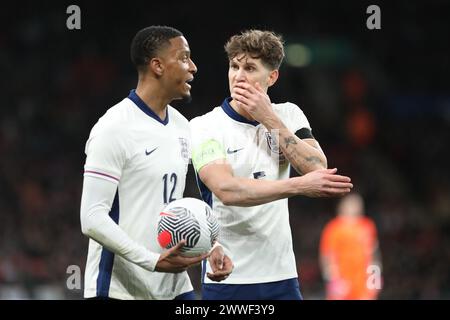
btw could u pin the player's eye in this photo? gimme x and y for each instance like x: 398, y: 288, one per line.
x: 185, y: 57
x: 250, y: 68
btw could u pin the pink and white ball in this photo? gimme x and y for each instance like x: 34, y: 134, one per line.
x: 192, y: 220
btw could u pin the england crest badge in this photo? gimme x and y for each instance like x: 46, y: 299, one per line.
x: 272, y: 143
x: 184, y: 149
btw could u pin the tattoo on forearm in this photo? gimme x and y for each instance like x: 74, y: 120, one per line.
x: 289, y: 140
x: 313, y: 160
x: 297, y: 160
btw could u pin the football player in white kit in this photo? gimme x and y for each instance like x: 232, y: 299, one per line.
x: 242, y: 152
x: 137, y: 159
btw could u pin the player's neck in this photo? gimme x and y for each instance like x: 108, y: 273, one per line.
x: 241, y: 111
x: 153, y: 99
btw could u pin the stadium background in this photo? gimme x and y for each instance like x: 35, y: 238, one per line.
x: 378, y: 102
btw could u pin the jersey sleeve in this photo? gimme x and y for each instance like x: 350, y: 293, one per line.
x: 96, y: 202
x: 106, y: 154
x: 296, y: 119
x: 205, y: 146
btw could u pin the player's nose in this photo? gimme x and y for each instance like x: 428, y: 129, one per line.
x: 192, y: 67
x: 240, y: 76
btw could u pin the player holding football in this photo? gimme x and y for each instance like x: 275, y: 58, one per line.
x: 242, y: 151
x: 137, y: 160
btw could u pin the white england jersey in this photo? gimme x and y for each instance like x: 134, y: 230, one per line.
x: 148, y: 159
x: 258, y: 238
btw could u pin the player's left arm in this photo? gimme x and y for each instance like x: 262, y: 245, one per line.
x: 300, y: 149
x: 221, y: 264
x: 302, y: 152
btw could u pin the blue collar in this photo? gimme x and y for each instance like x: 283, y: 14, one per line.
x: 144, y: 107
x: 228, y: 109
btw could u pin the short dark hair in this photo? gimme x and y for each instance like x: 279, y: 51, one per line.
x: 266, y: 45
x: 148, y: 41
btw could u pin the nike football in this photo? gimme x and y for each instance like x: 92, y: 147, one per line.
x: 192, y: 220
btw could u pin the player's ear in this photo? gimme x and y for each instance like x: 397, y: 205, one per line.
x: 273, y: 77
x: 156, y: 66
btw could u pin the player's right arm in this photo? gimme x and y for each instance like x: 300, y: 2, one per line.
x: 106, y: 156
x: 96, y: 203
x: 236, y: 191
x: 209, y: 160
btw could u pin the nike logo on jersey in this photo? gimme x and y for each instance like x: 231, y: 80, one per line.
x: 260, y: 174
x: 233, y: 151
x: 148, y: 152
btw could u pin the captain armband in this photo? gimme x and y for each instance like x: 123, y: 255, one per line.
x: 304, y: 133
x: 207, y: 152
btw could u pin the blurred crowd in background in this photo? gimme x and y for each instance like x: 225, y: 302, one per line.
x: 378, y: 102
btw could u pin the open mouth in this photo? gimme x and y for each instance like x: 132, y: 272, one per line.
x: 187, y: 82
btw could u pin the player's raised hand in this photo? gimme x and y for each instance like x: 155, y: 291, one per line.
x: 323, y: 183
x: 221, y: 265
x: 254, y: 100
x: 172, y: 261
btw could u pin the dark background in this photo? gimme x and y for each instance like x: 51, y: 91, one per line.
x: 378, y: 102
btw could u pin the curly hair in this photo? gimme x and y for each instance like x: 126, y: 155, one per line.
x: 266, y: 45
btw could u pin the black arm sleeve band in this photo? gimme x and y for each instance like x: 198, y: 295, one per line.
x: 304, y: 133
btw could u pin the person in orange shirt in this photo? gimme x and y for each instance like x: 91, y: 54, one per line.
x: 349, y: 255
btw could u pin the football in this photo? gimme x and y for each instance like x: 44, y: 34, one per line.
x: 192, y: 220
